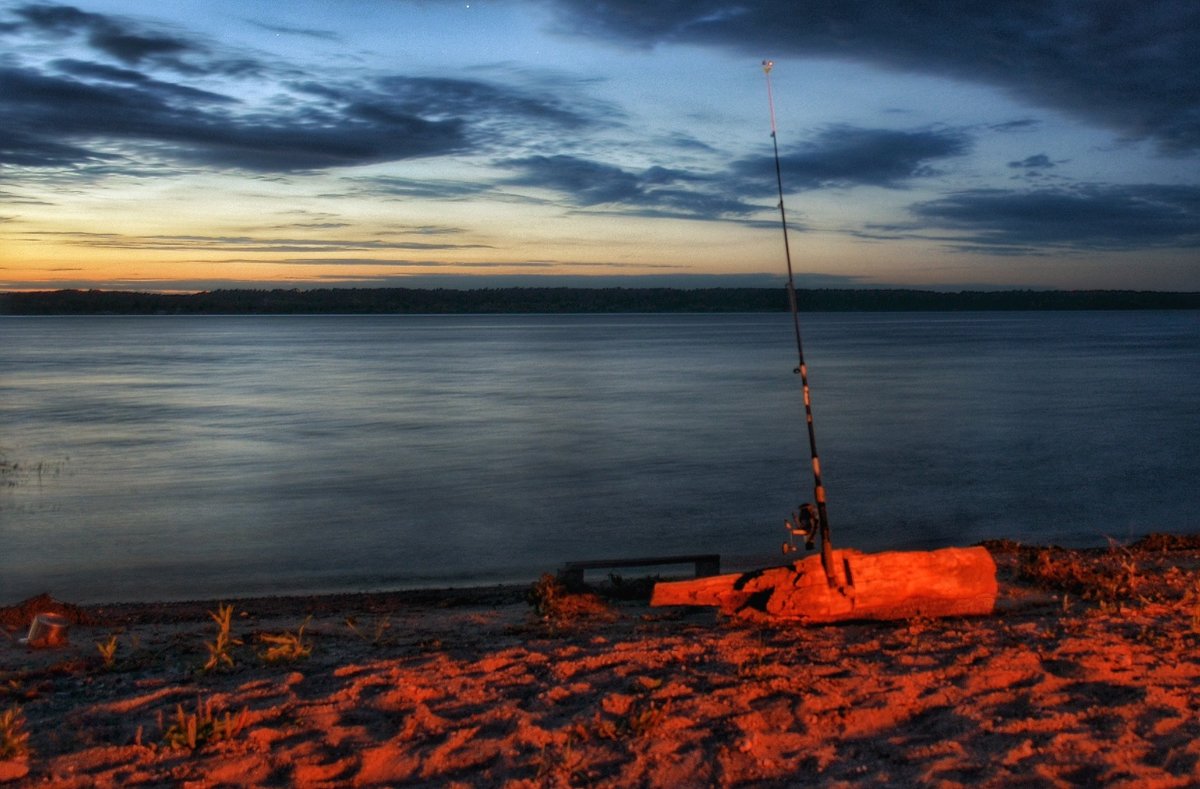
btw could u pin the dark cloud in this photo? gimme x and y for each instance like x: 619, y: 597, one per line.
x: 125, y: 41
x: 133, y: 48
x: 169, y: 90
x: 587, y: 182
x: 23, y: 149
x: 78, y: 113
x: 447, y: 97
x: 52, y: 121
x: 1034, y: 168
x: 1095, y: 217
x: 843, y: 156
x: 131, y: 43
x: 1130, y: 65
x: 1023, y: 125
x: 1038, y: 161
x: 423, y: 189
x: 306, y: 32
x: 656, y: 191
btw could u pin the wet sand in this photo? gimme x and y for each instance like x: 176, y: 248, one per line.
x: 1087, y: 674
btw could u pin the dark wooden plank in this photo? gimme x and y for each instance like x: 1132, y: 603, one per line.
x: 706, y: 564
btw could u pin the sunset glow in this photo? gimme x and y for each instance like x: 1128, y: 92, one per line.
x: 196, y: 145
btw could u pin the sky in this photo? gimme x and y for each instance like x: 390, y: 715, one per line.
x: 942, y: 144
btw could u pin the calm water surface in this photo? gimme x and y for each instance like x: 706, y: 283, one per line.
x: 177, y: 457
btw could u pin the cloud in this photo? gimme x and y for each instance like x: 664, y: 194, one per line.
x: 838, y: 157
x: 1132, y: 66
x: 306, y: 32
x: 227, y: 244
x: 1033, y: 168
x: 843, y: 156
x: 1038, y: 161
x: 54, y: 121
x: 587, y: 182
x: 1084, y: 218
x: 425, y: 188
x: 169, y: 90
x: 656, y: 191
x: 128, y: 42
x: 1022, y: 125
x: 104, y: 33
x: 74, y: 112
x: 14, y: 198
x: 447, y: 97
x: 36, y: 150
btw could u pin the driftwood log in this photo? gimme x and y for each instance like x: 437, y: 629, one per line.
x: 890, y: 585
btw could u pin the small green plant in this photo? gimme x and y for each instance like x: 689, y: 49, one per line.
x: 286, y: 647
x: 108, y: 651
x: 220, y: 651
x: 14, y: 740
x: 192, y: 730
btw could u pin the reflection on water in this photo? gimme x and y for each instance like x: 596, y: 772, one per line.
x: 200, y: 456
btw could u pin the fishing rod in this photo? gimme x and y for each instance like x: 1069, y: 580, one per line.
x: 803, y: 522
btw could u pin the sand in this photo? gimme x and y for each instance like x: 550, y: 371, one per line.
x: 1087, y: 674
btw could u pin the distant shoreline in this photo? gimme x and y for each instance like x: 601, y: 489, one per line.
x: 529, y: 300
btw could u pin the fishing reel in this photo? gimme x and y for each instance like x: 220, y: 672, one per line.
x: 803, y: 523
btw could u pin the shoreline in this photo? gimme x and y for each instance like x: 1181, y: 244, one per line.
x: 526, y: 300
x: 1088, y: 672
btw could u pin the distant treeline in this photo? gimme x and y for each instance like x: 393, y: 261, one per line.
x: 562, y: 300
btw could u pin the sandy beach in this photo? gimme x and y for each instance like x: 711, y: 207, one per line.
x: 1088, y: 673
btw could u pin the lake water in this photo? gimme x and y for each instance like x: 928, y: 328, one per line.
x: 186, y: 457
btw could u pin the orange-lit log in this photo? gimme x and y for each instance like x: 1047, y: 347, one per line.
x: 890, y: 585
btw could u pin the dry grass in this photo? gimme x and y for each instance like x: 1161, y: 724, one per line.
x: 286, y: 647
x: 196, y: 729
x: 557, y: 606
x: 14, y: 739
x: 108, y: 651
x: 1076, y: 573
x: 220, y: 651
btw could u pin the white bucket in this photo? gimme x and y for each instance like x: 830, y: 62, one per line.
x: 47, y: 630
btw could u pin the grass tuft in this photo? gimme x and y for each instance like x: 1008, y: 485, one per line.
x: 108, y: 651
x: 220, y: 651
x: 286, y: 647
x: 196, y: 729
x: 379, y: 632
x: 14, y: 740
x: 1074, y: 572
x: 556, y: 605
